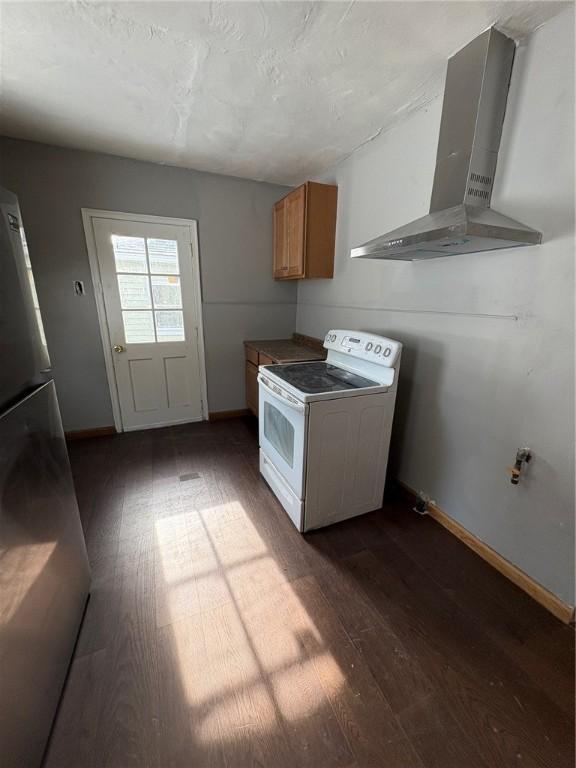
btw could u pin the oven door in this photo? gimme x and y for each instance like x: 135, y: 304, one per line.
x: 283, y: 424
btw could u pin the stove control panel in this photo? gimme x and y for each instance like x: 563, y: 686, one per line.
x: 366, y: 346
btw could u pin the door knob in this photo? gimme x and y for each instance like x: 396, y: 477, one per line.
x: 118, y: 348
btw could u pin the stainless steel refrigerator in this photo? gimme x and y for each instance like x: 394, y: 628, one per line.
x: 44, y: 573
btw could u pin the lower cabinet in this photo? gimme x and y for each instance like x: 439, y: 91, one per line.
x: 252, y: 387
x: 253, y: 360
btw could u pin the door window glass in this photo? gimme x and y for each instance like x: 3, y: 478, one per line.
x: 169, y: 326
x: 134, y: 292
x: 166, y: 292
x: 163, y: 257
x: 138, y: 327
x: 130, y: 254
x: 148, y: 275
x: 279, y: 432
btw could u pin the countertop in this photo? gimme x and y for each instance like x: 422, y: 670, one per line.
x: 288, y: 350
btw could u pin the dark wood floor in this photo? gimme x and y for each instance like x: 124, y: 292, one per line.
x: 216, y: 635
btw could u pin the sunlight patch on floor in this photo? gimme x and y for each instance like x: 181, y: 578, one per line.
x: 248, y: 652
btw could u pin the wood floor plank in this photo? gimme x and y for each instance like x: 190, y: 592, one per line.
x: 104, y: 518
x: 128, y: 726
x: 410, y: 691
x: 401, y: 677
x: 437, y: 736
x: 523, y: 629
x: 190, y: 735
x: 497, y: 707
x: 241, y: 701
x: 365, y: 716
x: 73, y: 741
x: 101, y: 617
x: 283, y: 638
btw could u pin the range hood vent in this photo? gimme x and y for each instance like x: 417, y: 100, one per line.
x: 460, y: 218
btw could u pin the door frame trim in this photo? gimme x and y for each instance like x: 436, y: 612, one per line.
x: 88, y: 215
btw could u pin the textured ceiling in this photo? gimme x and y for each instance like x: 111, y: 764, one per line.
x: 275, y: 90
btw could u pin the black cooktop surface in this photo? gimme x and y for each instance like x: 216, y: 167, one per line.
x: 313, y: 378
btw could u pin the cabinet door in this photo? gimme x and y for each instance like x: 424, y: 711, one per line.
x: 252, y: 387
x: 295, y: 224
x: 280, y: 240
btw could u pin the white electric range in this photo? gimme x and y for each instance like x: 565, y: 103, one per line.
x: 325, y: 428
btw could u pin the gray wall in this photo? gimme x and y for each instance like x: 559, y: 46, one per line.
x: 489, y: 338
x: 240, y: 298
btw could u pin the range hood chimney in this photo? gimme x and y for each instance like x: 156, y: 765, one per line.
x: 460, y: 218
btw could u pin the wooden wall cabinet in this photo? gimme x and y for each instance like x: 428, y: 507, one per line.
x: 305, y: 232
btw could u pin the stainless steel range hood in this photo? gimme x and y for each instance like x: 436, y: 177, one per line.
x: 460, y: 218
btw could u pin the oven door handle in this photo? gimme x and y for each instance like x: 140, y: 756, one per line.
x: 280, y: 395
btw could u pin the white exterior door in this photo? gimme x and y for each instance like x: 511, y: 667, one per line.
x: 151, y: 295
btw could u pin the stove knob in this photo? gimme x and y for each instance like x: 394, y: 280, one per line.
x: 333, y: 337
x: 369, y: 346
x: 377, y: 349
x: 387, y: 351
